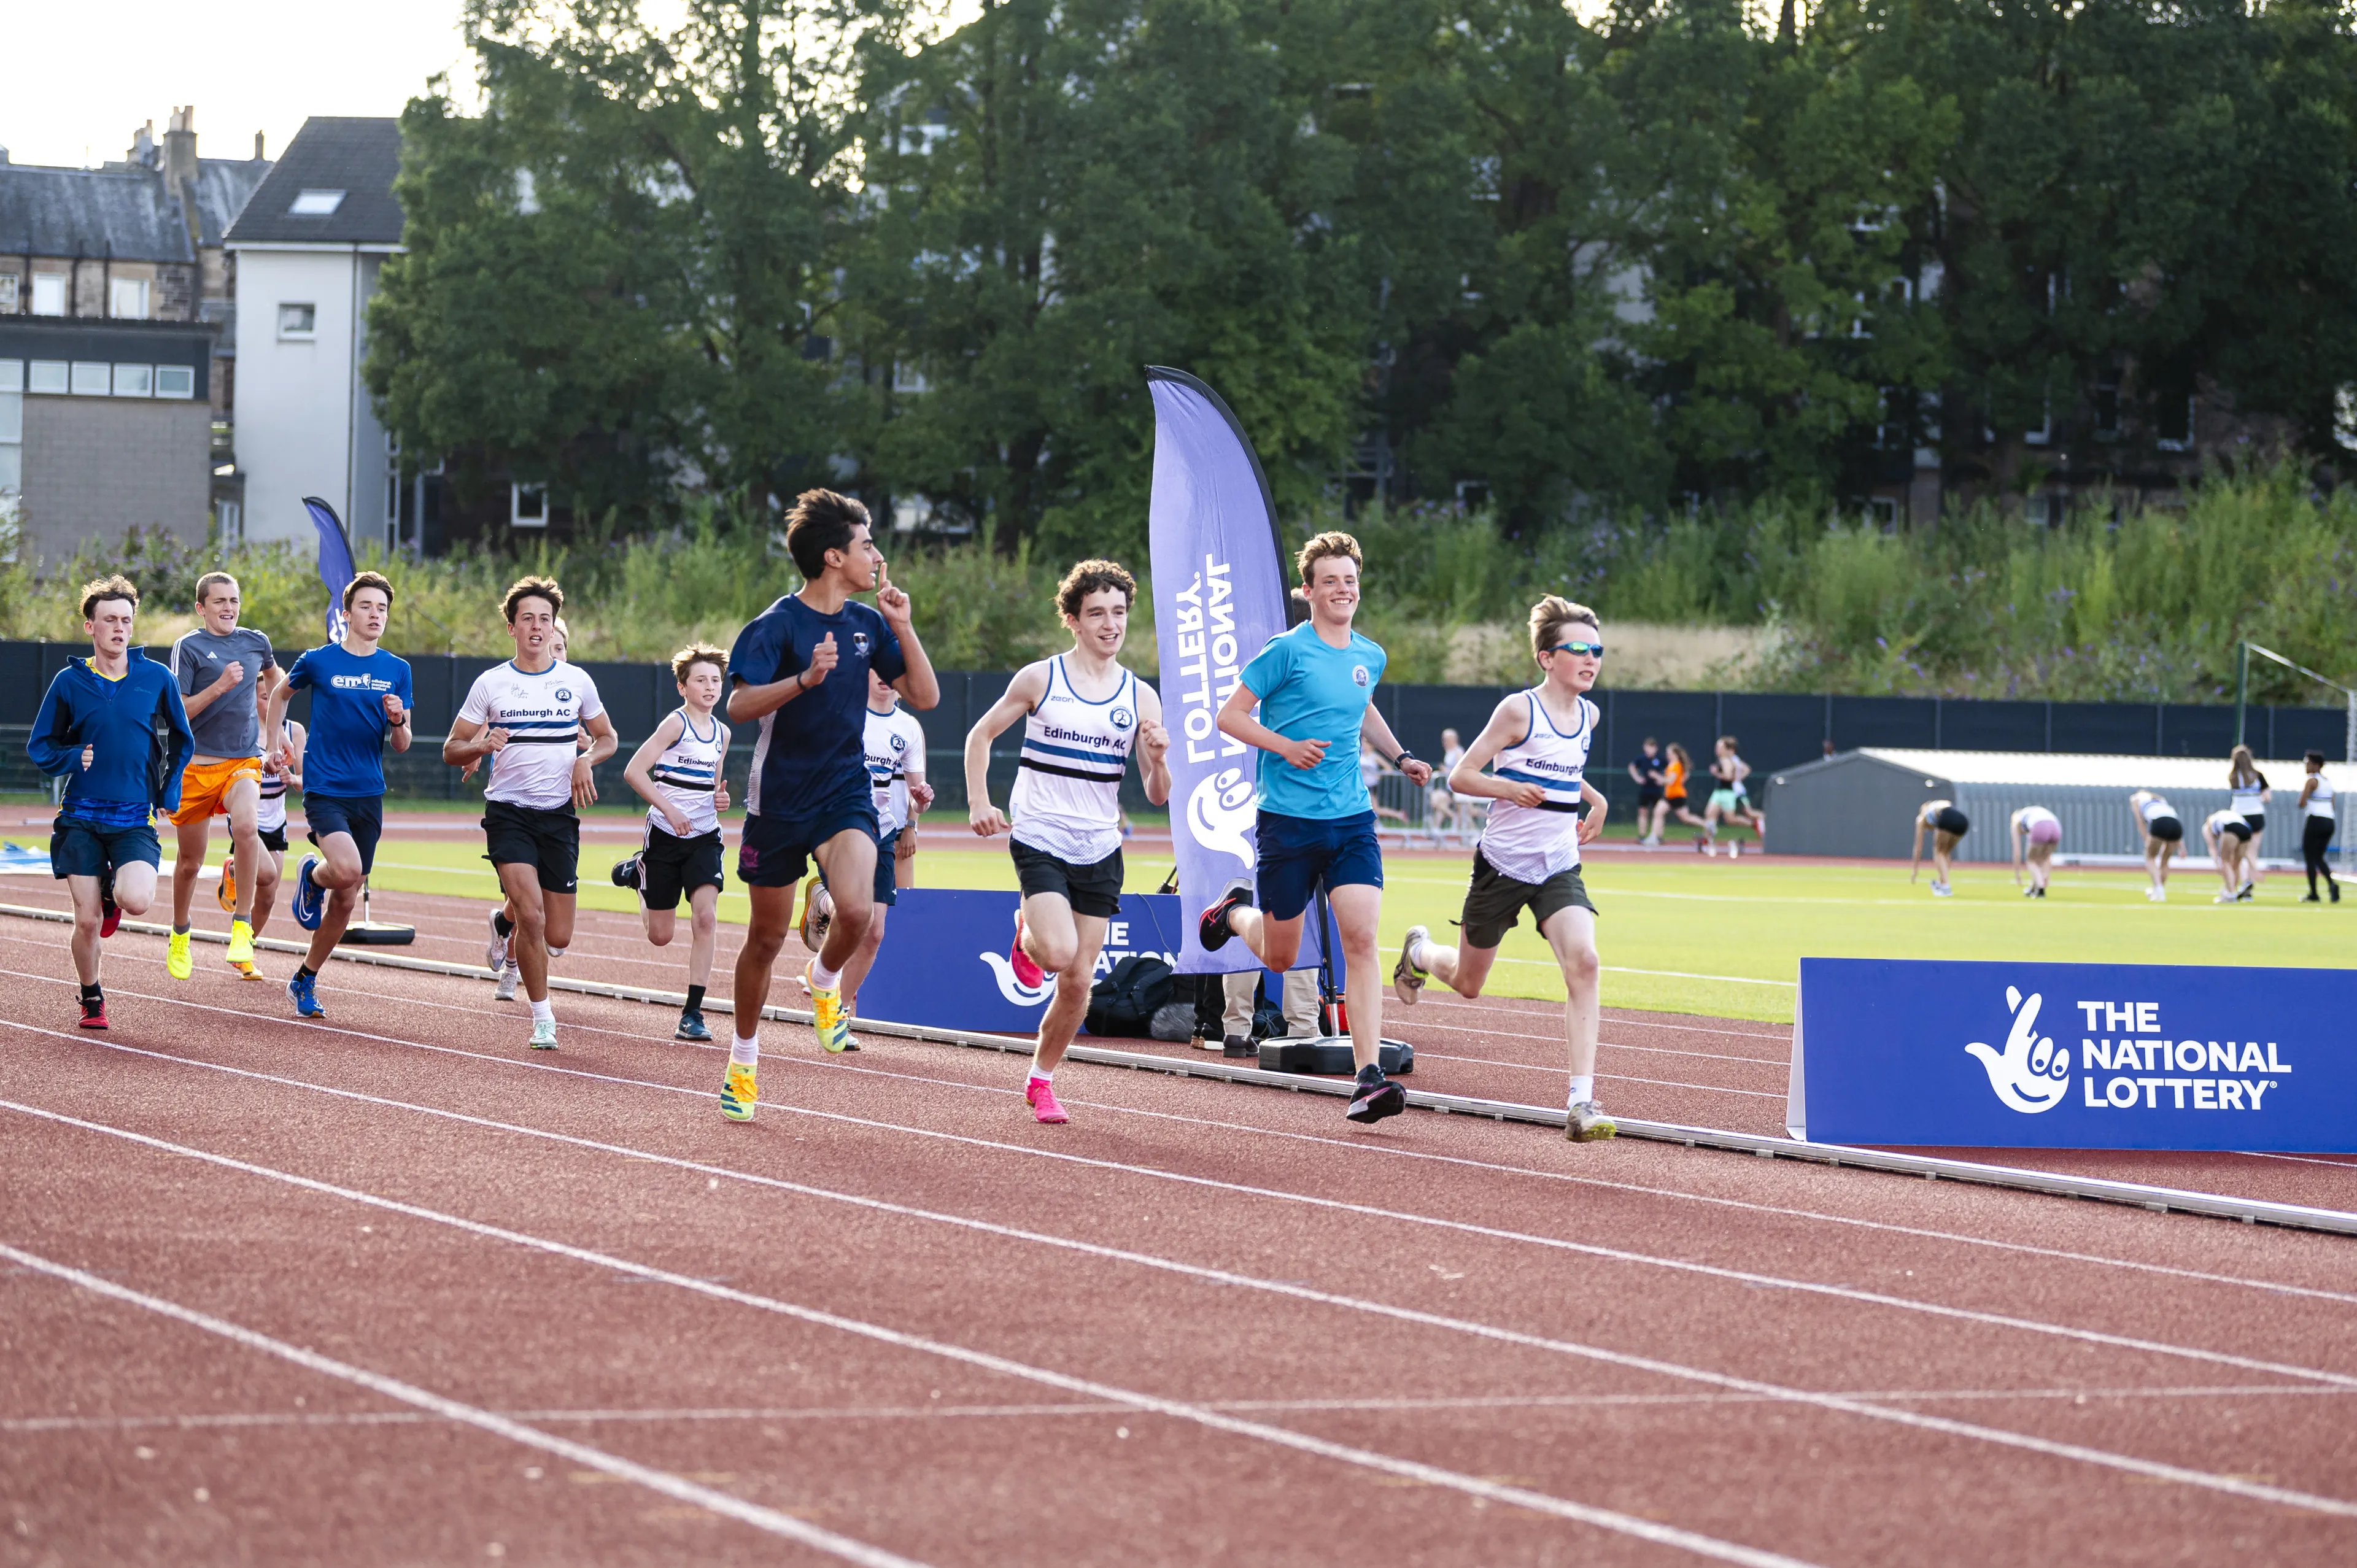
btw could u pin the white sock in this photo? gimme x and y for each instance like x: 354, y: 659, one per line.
x: 822, y: 978
x: 556, y: 952
x: 744, y: 1053
x: 543, y: 1013
x: 1039, y: 1077
x: 1583, y: 1088
x: 1416, y: 951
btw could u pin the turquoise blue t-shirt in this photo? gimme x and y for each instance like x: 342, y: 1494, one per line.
x: 1309, y: 690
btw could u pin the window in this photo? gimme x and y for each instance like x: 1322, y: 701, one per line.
x: 2042, y: 433
x: 298, y: 323
x: 229, y: 523
x: 2175, y: 422
x: 92, y: 380
x: 134, y: 381
x: 908, y: 379
x: 528, y: 505
x: 2344, y: 416
x: 1884, y: 511
x: 126, y: 299
x: 12, y: 375
x: 12, y: 425
x: 2107, y: 409
x: 48, y: 294
x: 8, y: 294
x: 46, y: 376
x: 315, y: 203
x: 910, y: 513
x: 175, y: 381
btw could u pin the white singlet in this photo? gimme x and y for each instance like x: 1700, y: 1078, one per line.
x: 892, y: 739
x: 270, y: 813
x: 542, y: 714
x: 1530, y: 844
x: 2155, y: 808
x: 1067, y: 799
x: 2320, y: 803
x: 2247, y: 800
x: 2036, y: 816
x: 688, y: 772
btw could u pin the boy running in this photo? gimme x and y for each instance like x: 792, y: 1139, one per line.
x: 360, y: 702
x: 97, y: 726
x: 800, y: 670
x: 528, y: 717
x: 278, y: 773
x: 222, y: 668
x: 1314, y: 686
x: 1083, y: 715
x: 677, y: 771
x: 1528, y: 854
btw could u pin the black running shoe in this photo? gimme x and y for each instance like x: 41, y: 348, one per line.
x: 625, y: 872
x: 1237, y: 1046
x: 1375, y: 1096
x: 1211, y: 931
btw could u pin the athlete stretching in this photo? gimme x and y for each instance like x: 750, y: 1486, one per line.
x: 97, y: 726
x: 1313, y: 685
x: 1528, y: 854
x: 222, y: 668
x: 360, y: 702
x: 799, y: 670
x: 677, y: 771
x: 1083, y: 715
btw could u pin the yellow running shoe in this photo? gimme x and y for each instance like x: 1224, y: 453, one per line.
x: 240, y: 943
x: 826, y: 1012
x: 739, y: 1093
x: 225, y: 894
x: 177, y: 962
x: 247, y: 972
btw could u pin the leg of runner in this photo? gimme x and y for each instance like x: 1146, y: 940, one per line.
x: 87, y: 917
x: 243, y: 798
x: 1571, y: 933
x: 1357, y: 910
x: 337, y: 873
x: 192, y: 841
x: 1066, y: 945
x: 862, y: 958
x: 848, y: 859
x: 269, y: 867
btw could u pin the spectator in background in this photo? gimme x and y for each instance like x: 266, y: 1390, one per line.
x: 1440, y: 806
x: 1242, y: 988
x: 1650, y: 770
x: 1370, y: 773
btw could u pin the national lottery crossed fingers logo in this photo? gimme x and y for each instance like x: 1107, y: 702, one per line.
x: 2032, y: 1072
x: 1221, y: 809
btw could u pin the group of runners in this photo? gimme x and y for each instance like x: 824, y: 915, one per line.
x: 1665, y: 794
x: 837, y: 778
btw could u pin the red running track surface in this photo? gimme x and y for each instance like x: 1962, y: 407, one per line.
x: 894, y: 1318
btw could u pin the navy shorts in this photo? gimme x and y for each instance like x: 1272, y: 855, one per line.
x: 1296, y: 853
x: 887, y: 889
x: 363, y: 819
x: 78, y: 848
x: 776, y: 850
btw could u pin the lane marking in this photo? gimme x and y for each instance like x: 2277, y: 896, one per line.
x: 660, y: 1481
x: 1410, y: 1469
x: 2152, y: 1469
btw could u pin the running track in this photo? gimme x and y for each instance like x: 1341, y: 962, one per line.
x: 391, y: 1289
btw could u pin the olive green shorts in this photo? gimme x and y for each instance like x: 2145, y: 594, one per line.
x: 1495, y: 901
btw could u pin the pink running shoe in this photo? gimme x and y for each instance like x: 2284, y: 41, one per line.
x: 1026, y: 972
x: 1040, y: 1095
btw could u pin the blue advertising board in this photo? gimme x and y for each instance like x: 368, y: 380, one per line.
x: 2074, y: 1055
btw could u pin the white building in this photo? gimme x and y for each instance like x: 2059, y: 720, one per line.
x: 308, y: 245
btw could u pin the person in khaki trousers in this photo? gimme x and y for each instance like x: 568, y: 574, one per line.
x: 1236, y: 1024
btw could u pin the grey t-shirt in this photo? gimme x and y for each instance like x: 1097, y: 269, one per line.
x: 230, y: 726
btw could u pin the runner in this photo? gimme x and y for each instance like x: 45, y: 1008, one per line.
x: 360, y: 703
x: 1314, y: 685
x: 222, y: 669
x: 1650, y: 770
x: 1083, y: 716
x: 528, y: 717
x: 2228, y: 837
x: 1730, y: 801
x: 1674, y: 790
x: 2248, y: 800
x: 678, y: 772
x: 800, y: 669
x: 97, y: 726
x: 1529, y: 852
x: 2164, y: 836
x: 2318, y: 819
x: 1948, y: 827
x: 269, y: 829
x: 894, y: 743
x: 2036, y: 832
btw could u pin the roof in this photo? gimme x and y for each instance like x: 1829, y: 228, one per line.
x: 359, y: 157
x: 2067, y: 769
x: 125, y: 212
x: 223, y: 185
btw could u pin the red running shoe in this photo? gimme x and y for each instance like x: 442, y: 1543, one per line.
x: 1026, y: 972
x: 1040, y: 1095
x: 93, y: 1012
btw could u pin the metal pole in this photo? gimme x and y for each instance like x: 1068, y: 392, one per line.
x: 2242, y: 686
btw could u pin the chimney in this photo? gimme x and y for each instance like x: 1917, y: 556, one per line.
x: 257, y: 147
x: 143, y: 146
x: 180, y: 163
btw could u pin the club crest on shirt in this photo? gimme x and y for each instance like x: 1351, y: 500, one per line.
x: 1358, y: 674
x: 562, y: 695
x: 1123, y: 719
x: 900, y: 742
x: 859, y: 643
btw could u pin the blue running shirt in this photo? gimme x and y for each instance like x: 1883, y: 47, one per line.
x: 813, y: 751
x: 1309, y: 691
x: 345, y: 754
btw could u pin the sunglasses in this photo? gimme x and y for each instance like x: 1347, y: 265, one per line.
x: 1595, y: 647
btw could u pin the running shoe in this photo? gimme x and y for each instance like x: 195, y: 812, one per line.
x: 739, y: 1093
x: 818, y: 913
x: 177, y: 961
x: 509, y: 975
x: 1027, y: 971
x: 1407, y: 981
x: 1235, y: 1046
x: 1041, y: 1096
x: 2157, y: 895
x: 544, y: 1034
x: 1213, y: 930
x: 225, y: 891
x: 1941, y: 890
x: 2249, y: 891
x: 850, y: 1011
x: 692, y: 1027
x: 2223, y: 897
x: 240, y: 943
x: 826, y: 1012
x: 305, y: 989
x: 1589, y: 1123
x: 2030, y: 891
x: 110, y: 913
x: 247, y: 972
x: 2041, y: 893
x: 310, y: 900
x: 93, y: 1012
x: 1374, y: 1097
x: 626, y: 872
x: 495, y: 952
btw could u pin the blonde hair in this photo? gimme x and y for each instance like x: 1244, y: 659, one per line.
x: 1552, y: 613
x: 1332, y: 543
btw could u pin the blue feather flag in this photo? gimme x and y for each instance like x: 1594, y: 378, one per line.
x: 334, y: 561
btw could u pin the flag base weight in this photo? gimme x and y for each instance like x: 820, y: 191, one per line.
x: 377, y: 934
x: 1330, y: 1056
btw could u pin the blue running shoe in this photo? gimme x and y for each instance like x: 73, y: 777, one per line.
x: 305, y: 989
x: 310, y: 898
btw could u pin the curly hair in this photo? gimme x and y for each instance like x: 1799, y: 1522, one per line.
x: 97, y: 591
x: 1088, y: 578
x: 1335, y: 543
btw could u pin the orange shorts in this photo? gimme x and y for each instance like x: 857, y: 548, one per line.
x: 205, y: 785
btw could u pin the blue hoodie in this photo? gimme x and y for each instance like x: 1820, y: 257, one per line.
x: 132, y: 765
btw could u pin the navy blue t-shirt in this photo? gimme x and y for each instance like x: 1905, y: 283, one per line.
x: 1654, y: 769
x: 814, y: 750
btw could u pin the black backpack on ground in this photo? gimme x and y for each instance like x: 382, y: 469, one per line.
x: 1123, y: 1002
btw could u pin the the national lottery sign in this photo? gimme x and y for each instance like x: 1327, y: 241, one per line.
x: 2074, y: 1055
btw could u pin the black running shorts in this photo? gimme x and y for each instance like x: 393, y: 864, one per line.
x: 2168, y: 830
x: 1089, y: 889
x: 669, y: 866
x: 1951, y: 821
x: 550, y: 842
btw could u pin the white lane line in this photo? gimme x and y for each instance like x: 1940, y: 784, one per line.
x: 2152, y: 1469
x: 2301, y: 1159
x: 660, y: 1481
x: 828, y: 1414
x: 1430, y: 1475
x: 1486, y: 1232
